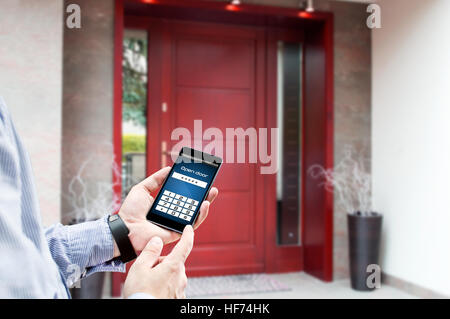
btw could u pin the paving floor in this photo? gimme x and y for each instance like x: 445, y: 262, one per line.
x: 305, y: 286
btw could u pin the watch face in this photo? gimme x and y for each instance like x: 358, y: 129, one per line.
x: 113, y: 218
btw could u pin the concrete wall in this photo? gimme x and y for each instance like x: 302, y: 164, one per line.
x: 31, y: 44
x: 352, y: 102
x: 411, y: 145
x: 88, y: 101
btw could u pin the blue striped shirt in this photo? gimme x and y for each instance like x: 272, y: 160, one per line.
x: 37, y: 262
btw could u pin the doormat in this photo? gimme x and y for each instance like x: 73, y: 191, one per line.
x: 232, y: 285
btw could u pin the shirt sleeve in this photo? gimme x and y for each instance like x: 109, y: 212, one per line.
x: 83, y: 249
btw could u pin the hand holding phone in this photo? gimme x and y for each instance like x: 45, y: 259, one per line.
x: 187, y: 186
x: 136, y: 207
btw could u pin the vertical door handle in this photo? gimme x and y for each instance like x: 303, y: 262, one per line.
x: 165, y: 153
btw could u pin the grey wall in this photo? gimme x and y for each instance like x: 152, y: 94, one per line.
x: 30, y: 82
x: 352, y: 101
x: 88, y: 97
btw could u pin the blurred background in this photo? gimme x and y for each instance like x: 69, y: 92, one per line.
x: 356, y: 88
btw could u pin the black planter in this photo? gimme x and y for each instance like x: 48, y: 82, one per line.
x: 364, y: 233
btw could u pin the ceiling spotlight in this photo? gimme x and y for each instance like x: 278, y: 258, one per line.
x: 309, y: 6
x: 235, y: 2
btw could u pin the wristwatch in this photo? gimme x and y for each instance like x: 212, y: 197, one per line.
x: 120, y: 233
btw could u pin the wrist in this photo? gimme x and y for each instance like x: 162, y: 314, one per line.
x: 122, y: 246
x: 130, y: 227
x: 116, y: 249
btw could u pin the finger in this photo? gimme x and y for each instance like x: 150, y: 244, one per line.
x: 212, y: 194
x: 204, y: 209
x: 148, y: 230
x: 152, y: 252
x: 153, y: 182
x: 183, y: 248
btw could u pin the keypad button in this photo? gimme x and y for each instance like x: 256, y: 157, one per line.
x: 192, y: 202
x: 180, y: 197
x: 161, y: 209
x: 166, y: 198
x: 188, y: 212
x: 173, y: 213
x: 170, y: 194
x: 175, y: 208
x: 190, y: 206
x: 178, y: 202
x: 164, y: 204
x: 185, y: 217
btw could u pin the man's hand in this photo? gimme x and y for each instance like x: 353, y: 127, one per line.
x: 137, y: 204
x: 161, y: 277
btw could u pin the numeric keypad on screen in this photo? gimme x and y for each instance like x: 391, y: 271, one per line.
x: 177, y: 205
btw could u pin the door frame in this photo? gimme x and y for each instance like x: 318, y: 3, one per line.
x: 315, y: 255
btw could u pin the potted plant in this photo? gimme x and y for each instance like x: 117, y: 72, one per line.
x: 89, y: 199
x: 351, y: 181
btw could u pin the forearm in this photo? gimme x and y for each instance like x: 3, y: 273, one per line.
x: 87, y: 246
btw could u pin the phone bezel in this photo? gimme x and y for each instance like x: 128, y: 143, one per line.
x: 196, y: 155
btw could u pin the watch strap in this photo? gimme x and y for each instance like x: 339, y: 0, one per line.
x: 120, y: 233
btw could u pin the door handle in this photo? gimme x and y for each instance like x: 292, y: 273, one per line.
x: 165, y: 153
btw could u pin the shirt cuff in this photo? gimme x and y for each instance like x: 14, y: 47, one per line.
x: 101, y: 244
x: 110, y: 266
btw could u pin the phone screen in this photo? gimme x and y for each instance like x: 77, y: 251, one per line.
x: 186, y: 187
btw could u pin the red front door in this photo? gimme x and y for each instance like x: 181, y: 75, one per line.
x: 213, y: 73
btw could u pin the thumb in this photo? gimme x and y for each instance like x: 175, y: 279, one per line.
x: 151, y: 252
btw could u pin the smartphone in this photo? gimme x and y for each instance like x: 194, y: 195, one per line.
x: 186, y: 187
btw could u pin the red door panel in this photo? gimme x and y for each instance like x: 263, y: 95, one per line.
x: 225, y: 107
x: 230, y: 206
x: 206, y: 62
x: 211, y: 76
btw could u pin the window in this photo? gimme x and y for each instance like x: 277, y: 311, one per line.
x: 134, y: 108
